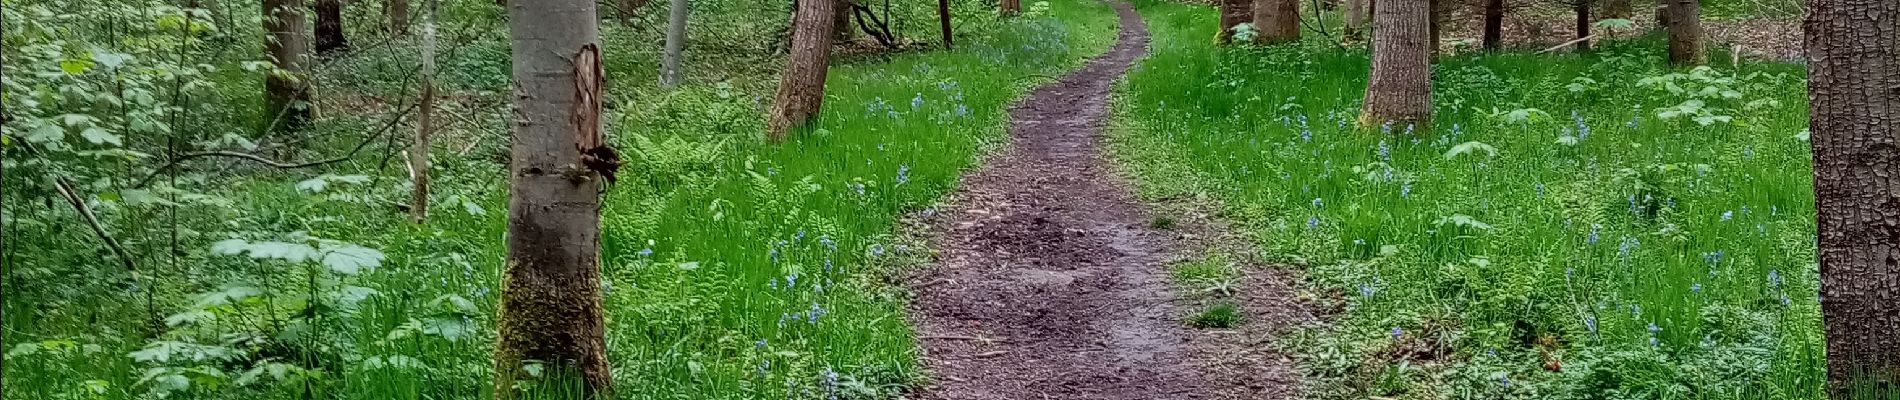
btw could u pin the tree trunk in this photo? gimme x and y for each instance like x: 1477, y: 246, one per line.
x: 1400, y: 88
x: 1277, y: 20
x: 1493, y: 24
x: 1010, y: 8
x: 842, y: 23
x: 1355, y: 19
x: 425, y: 121
x: 398, y: 13
x: 670, y: 74
x: 1437, y: 29
x: 330, y: 27
x: 1583, y: 25
x: 1232, y: 13
x: 943, y: 18
x: 801, y: 90
x: 1686, y: 45
x: 287, y: 92
x: 550, y: 308
x: 1618, y: 9
x: 1854, y: 102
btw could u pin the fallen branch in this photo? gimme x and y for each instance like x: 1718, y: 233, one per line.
x: 1569, y: 43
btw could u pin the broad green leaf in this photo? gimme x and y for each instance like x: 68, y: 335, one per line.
x: 74, y: 67
x: 47, y: 133
x: 351, y: 259
x: 98, y: 135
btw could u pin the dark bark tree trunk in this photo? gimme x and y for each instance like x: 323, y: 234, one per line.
x: 1277, y: 20
x: 550, y: 308
x: 1356, y: 19
x: 1436, y: 32
x: 397, y: 12
x: 330, y: 27
x: 1619, y: 9
x: 1686, y: 44
x: 801, y: 90
x: 1583, y: 25
x: 1010, y: 8
x: 1233, y: 13
x: 425, y: 121
x: 287, y: 93
x: 842, y: 23
x: 670, y: 73
x: 1400, y: 88
x: 1493, y: 24
x: 943, y: 19
x: 1854, y: 102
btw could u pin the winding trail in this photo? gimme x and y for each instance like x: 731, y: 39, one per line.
x: 1050, y: 284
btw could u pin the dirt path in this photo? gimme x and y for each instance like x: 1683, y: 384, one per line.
x: 1050, y: 283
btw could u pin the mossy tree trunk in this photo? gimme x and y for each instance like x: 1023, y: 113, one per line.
x: 550, y: 309
x: 1400, y: 88
x: 330, y: 27
x: 1854, y: 103
x: 1493, y: 24
x: 801, y: 89
x: 1356, y: 19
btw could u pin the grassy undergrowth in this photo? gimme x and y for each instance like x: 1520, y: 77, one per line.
x: 1572, y: 226
x: 735, y: 269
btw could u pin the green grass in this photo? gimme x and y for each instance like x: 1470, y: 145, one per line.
x: 1494, y: 244
x: 736, y: 269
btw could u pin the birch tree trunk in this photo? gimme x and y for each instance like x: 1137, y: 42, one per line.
x: 287, y: 91
x: 1400, y: 88
x: 1277, y: 20
x: 670, y: 74
x: 1686, y: 43
x: 550, y: 308
x: 1854, y: 102
x: 801, y: 90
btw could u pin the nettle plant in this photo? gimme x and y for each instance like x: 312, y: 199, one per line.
x: 276, y: 329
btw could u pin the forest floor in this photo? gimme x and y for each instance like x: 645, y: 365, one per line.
x: 1052, y: 278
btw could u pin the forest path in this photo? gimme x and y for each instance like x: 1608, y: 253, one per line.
x: 1050, y: 283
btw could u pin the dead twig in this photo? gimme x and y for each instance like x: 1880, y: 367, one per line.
x: 1569, y: 43
x: 378, y: 134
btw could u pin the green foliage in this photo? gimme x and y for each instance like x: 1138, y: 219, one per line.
x: 1221, y: 315
x: 1650, y: 236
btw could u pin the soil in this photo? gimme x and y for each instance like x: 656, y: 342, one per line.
x: 1051, y: 283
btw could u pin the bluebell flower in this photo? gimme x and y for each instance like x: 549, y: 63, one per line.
x: 1385, y: 150
x: 1708, y: 341
x: 1591, y: 323
x: 1312, y: 222
x: 877, y: 250
x: 963, y: 110
x: 917, y: 102
x: 1629, y: 244
x: 816, y: 312
x: 1540, y: 189
x: 903, y: 174
x: 1695, y: 288
x: 1405, y: 189
x: 1583, y: 129
x: 1594, y: 228
x: 1366, y: 290
x: 1318, y: 202
x: 1774, y: 278
x: 1396, y: 332
x: 1728, y: 215
x: 1504, y: 380
x: 759, y: 344
x: 791, y: 281
x: 825, y: 240
x: 1636, y: 310
x: 646, y: 252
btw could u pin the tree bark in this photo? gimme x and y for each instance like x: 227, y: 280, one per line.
x: 1686, y: 45
x: 1277, y: 20
x: 1437, y: 29
x: 1583, y: 24
x: 1232, y: 13
x: 398, y: 13
x: 425, y: 121
x: 1400, y: 88
x: 1010, y: 8
x: 287, y: 90
x: 1493, y: 24
x: 1355, y: 19
x: 1854, y: 102
x: 627, y: 9
x: 801, y: 89
x: 550, y: 308
x: 842, y: 23
x: 330, y: 27
x: 943, y: 19
x: 670, y: 73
